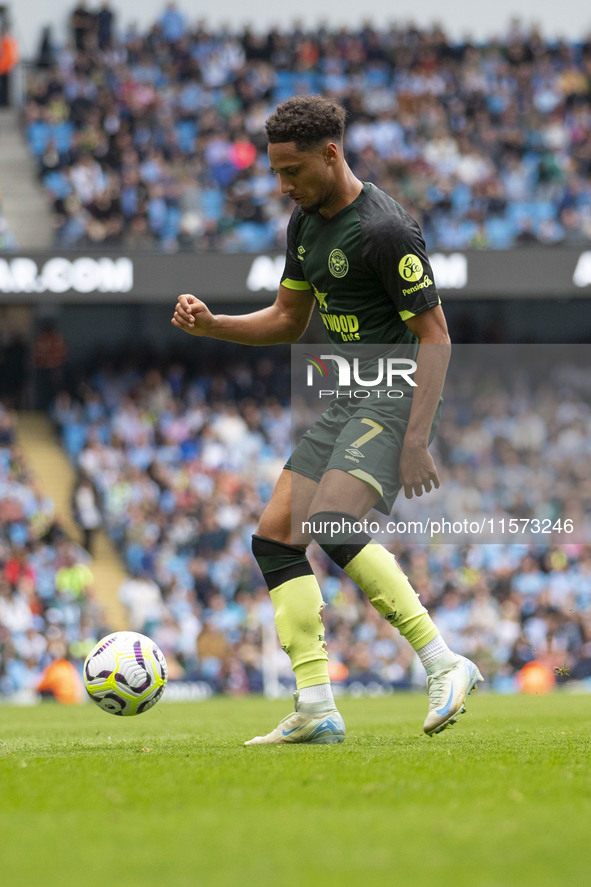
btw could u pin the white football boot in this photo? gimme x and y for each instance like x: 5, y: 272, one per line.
x: 311, y: 722
x: 448, y: 690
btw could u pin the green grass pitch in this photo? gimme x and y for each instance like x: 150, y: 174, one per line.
x: 172, y: 798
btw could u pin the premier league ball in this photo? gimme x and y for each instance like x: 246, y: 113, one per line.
x: 125, y: 673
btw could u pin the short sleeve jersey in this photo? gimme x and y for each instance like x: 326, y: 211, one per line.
x: 367, y: 266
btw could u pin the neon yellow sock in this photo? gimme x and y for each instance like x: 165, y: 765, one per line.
x: 376, y: 572
x: 298, y: 616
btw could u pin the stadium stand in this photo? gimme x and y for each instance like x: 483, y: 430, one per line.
x: 156, y: 140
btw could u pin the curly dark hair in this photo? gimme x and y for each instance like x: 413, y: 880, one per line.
x: 307, y: 120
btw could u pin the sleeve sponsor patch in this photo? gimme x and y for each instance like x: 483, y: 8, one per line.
x: 410, y: 268
x: 424, y: 284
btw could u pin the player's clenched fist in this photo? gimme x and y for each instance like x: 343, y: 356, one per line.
x: 192, y: 315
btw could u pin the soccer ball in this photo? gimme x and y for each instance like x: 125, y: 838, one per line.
x: 125, y: 673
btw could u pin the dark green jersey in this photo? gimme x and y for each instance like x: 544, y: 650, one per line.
x: 367, y: 266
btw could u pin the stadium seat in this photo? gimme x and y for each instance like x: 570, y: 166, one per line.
x: 38, y: 136
x: 186, y: 131
x: 500, y: 232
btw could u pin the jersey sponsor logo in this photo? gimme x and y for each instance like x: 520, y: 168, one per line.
x: 410, y: 268
x: 301, y: 251
x: 345, y: 324
x: 338, y: 263
x: 425, y: 282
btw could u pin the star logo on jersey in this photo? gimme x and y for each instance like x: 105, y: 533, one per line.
x: 321, y: 298
x: 338, y: 263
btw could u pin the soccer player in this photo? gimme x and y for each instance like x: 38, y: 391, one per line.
x: 361, y: 257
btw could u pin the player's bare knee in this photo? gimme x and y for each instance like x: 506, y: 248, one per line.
x: 272, y: 527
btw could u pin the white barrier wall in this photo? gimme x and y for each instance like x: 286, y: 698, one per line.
x: 570, y: 18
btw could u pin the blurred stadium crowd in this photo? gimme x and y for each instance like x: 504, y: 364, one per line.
x: 181, y: 463
x: 48, y: 608
x: 156, y: 140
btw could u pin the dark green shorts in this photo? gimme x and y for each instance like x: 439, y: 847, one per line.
x: 363, y: 440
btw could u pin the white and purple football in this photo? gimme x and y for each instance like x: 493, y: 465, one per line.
x: 125, y: 674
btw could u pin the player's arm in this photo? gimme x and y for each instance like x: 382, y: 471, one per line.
x: 282, y: 322
x: 417, y: 469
